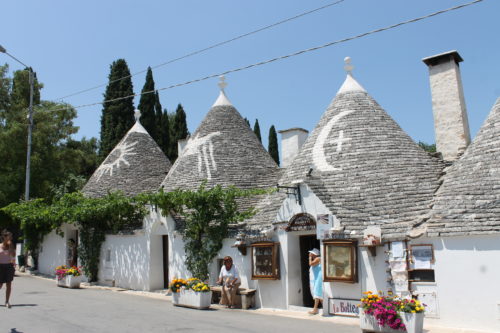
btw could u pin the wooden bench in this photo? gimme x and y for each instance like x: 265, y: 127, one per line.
x: 244, y: 297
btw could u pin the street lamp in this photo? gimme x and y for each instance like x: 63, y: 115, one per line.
x: 30, y: 123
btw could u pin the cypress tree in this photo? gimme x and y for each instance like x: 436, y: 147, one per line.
x: 147, y: 105
x: 118, y: 116
x: 180, y: 130
x: 248, y: 122
x: 165, y: 144
x: 158, y: 119
x: 256, y: 130
x: 273, y: 145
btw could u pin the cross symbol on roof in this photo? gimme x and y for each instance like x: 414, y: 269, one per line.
x: 222, y: 83
x: 340, y: 140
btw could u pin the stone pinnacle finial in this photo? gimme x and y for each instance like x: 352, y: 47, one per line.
x: 222, y: 82
x: 137, y: 114
x: 348, y: 67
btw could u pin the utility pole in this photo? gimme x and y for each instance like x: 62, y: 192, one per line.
x: 30, y: 122
x: 30, y: 130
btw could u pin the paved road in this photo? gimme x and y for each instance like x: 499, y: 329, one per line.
x: 38, y: 306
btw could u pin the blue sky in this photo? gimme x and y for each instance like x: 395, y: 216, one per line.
x: 70, y: 44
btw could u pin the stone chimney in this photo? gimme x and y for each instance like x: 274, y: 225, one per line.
x: 291, y: 141
x: 451, y: 125
x: 181, y: 144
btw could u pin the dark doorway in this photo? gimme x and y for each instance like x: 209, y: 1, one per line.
x: 307, y: 243
x: 165, y: 261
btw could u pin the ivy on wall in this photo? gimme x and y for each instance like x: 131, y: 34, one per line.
x: 94, y: 217
x: 206, y: 215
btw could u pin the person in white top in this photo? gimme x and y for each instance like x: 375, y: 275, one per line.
x: 7, y: 262
x: 230, y: 280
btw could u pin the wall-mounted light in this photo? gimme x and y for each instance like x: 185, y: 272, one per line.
x: 240, y: 243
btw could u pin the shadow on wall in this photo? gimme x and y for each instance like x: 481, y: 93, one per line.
x: 177, y: 256
x: 128, y: 264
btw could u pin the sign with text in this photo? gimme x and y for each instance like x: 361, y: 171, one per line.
x: 343, y: 307
x: 324, y: 222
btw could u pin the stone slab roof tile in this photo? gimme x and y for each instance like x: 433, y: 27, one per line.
x: 134, y: 166
x: 468, y: 202
x: 366, y: 169
x: 223, y: 151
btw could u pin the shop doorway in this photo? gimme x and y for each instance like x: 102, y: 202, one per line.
x: 307, y: 243
x: 72, y: 248
x: 165, y: 260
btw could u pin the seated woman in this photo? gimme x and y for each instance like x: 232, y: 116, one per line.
x: 230, y: 280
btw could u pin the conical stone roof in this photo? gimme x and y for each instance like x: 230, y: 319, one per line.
x: 468, y: 202
x: 365, y: 168
x: 135, y: 165
x: 223, y: 151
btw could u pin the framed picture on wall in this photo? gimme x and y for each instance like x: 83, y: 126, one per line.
x: 340, y: 261
x: 265, y: 261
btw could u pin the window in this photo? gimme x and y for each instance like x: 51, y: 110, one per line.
x: 421, y: 263
x: 265, y: 261
x: 340, y: 261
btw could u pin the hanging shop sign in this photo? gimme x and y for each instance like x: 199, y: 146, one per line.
x: 300, y: 222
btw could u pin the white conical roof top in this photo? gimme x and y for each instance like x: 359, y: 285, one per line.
x: 222, y: 99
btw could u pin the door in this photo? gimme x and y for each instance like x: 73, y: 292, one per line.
x: 307, y: 243
x: 165, y: 261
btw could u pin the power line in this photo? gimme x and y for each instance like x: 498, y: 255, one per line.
x: 210, y: 47
x: 283, y: 57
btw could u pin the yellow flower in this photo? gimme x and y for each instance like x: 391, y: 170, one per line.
x: 412, y: 311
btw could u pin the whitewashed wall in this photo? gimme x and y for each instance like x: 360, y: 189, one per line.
x: 53, y: 250
x: 467, y: 272
x: 310, y: 204
x: 128, y: 264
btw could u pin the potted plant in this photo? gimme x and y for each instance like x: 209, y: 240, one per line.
x: 389, y: 314
x: 192, y: 293
x: 69, y: 277
x: 412, y: 313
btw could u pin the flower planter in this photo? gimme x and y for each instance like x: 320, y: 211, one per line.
x: 70, y: 281
x: 192, y: 299
x: 414, y: 323
x: 368, y: 323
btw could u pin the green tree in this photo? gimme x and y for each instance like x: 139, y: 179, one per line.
x: 256, y: 130
x: 117, y: 116
x: 147, y: 106
x: 158, y: 119
x: 165, y: 144
x: 55, y: 157
x: 5, y: 86
x: 248, y: 122
x: 179, y: 130
x: 430, y: 148
x: 207, y: 213
x: 273, y: 145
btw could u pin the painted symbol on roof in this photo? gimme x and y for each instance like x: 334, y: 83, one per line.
x: 116, y: 158
x: 340, y: 140
x: 203, y: 148
x: 318, y: 153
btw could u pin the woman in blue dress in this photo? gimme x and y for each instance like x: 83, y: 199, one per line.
x: 315, y: 279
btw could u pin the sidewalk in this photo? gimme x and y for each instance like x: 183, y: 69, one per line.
x: 297, y: 314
